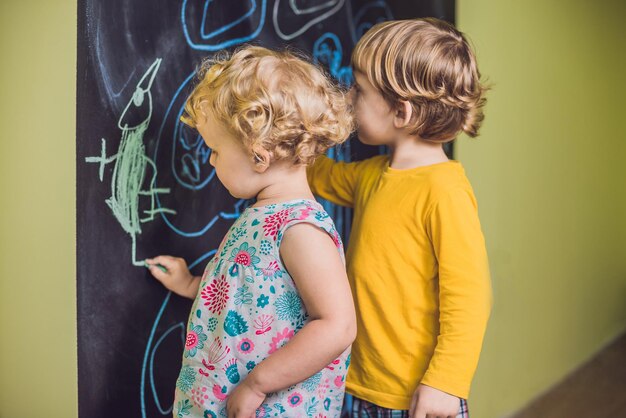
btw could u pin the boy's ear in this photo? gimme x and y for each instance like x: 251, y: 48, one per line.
x: 262, y: 159
x: 403, y: 114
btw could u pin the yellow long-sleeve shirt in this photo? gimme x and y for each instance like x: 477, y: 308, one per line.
x: 418, y: 271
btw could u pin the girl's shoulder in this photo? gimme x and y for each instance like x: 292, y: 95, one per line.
x: 272, y: 221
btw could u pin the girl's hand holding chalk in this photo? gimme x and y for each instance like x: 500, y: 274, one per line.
x: 174, y: 274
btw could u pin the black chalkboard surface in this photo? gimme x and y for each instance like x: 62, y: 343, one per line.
x: 144, y: 183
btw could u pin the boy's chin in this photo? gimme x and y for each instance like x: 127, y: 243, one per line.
x: 369, y: 141
x: 363, y: 139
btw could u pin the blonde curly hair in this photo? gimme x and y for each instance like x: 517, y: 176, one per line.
x: 273, y: 101
x: 430, y: 64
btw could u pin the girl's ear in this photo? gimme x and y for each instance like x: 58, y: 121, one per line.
x: 403, y: 114
x: 202, y: 111
x: 262, y: 159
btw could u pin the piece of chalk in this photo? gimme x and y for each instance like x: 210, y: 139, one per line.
x: 162, y: 268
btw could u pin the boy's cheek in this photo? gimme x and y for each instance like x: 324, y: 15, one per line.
x: 359, y: 115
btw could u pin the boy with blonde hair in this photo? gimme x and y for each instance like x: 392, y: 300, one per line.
x: 416, y: 259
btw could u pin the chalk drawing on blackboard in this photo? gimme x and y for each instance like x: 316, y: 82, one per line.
x: 367, y: 16
x: 189, y: 152
x: 131, y: 164
x: 328, y: 51
x: 105, y: 78
x: 205, y: 30
x: 194, y: 155
x: 301, y: 19
x: 188, y: 158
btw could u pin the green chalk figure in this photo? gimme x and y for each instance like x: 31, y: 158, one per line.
x: 131, y: 162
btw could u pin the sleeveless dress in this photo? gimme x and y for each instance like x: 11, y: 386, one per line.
x: 247, y: 308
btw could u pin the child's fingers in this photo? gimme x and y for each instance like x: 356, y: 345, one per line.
x: 418, y: 410
x: 412, y: 407
x: 419, y: 414
x: 164, y: 260
x: 158, y: 272
x: 168, y: 263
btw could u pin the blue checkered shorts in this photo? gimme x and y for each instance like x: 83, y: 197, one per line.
x: 358, y: 408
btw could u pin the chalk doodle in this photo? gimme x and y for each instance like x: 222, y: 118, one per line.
x: 299, y: 19
x: 205, y: 30
x: 131, y: 162
x: 189, y: 153
x: 328, y: 51
x: 106, y: 77
x: 183, y: 150
x: 367, y: 16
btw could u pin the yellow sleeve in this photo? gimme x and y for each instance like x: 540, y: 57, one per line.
x: 334, y: 181
x: 465, y: 297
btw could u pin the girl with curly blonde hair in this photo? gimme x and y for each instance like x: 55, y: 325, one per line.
x: 273, y: 317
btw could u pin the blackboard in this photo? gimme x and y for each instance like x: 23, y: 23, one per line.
x: 144, y: 183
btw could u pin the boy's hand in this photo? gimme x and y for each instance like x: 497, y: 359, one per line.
x: 429, y: 402
x: 244, y: 400
x: 176, y: 276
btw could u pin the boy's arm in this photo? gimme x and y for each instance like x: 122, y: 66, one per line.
x: 464, y: 292
x: 334, y: 181
x: 313, y: 261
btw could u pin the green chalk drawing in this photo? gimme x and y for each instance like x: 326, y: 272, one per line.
x: 131, y: 162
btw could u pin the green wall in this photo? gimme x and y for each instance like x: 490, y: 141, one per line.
x: 547, y: 171
x: 550, y: 179
x: 37, y: 181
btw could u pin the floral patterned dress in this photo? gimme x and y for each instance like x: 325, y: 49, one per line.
x: 247, y: 308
